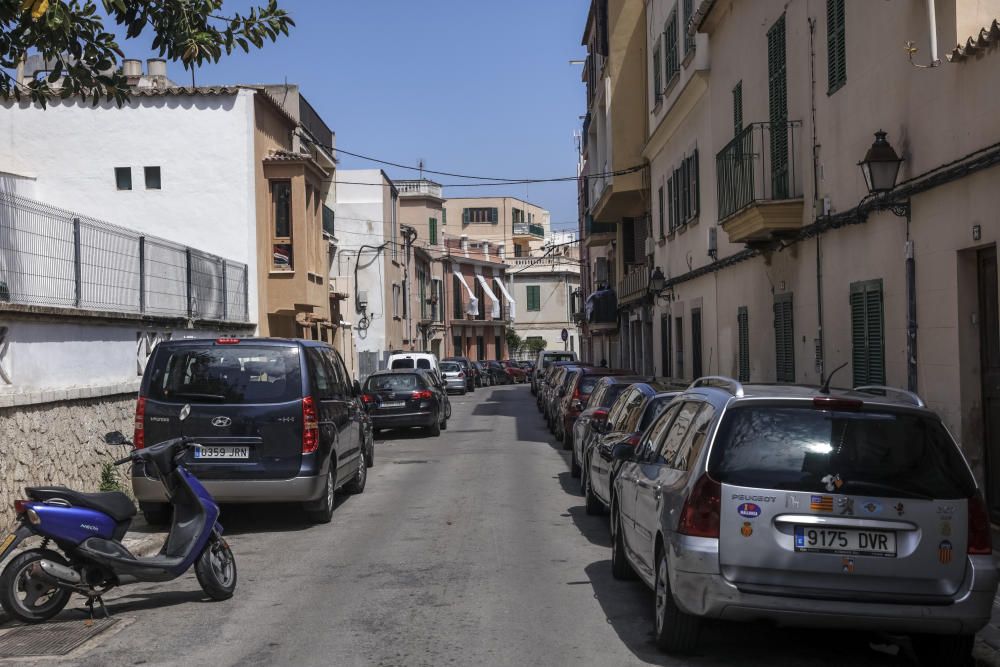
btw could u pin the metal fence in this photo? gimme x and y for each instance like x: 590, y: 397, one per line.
x: 53, y: 257
x: 758, y: 165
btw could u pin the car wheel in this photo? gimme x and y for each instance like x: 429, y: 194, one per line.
x: 156, y: 514
x: 574, y: 465
x: 944, y: 649
x: 676, y: 631
x: 322, y: 511
x: 434, y: 429
x: 357, y: 483
x: 370, y: 452
x: 567, y: 439
x: 620, y: 567
x: 594, y: 505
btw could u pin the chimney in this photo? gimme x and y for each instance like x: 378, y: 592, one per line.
x: 486, y: 249
x: 500, y: 251
x: 465, y: 242
x: 132, y: 68
x: 156, y: 67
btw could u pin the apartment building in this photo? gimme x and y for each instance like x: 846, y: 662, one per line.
x: 509, y: 225
x: 477, y: 307
x: 779, y: 257
x: 545, y: 289
x: 422, y: 209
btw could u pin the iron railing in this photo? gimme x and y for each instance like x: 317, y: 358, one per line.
x: 419, y: 187
x: 53, y: 257
x: 635, y: 284
x: 757, y: 165
x: 528, y: 229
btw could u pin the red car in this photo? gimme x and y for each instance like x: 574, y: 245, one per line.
x: 514, y: 371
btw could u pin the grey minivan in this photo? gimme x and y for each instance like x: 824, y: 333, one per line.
x: 276, y: 420
x: 836, y: 509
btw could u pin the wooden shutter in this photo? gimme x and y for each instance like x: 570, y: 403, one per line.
x: 671, y: 220
x: 433, y: 231
x: 672, y: 59
x: 494, y: 215
x: 836, y: 56
x: 688, y: 37
x: 738, y: 108
x: 694, y: 200
x: 784, y: 335
x: 867, y: 333
x: 743, y: 346
x: 465, y: 216
x: 777, y: 88
x: 657, y: 73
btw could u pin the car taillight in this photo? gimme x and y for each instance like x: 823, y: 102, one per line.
x: 700, y: 515
x: 461, y: 375
x: 576, y: 394
x: 139, y: 434
x: 310, y: 426
x: 367, y: 398
x: 633, y: 439
x: 423, y: 394
x: 599, y: 414
x: 227, y: 341
x: 980, y: 540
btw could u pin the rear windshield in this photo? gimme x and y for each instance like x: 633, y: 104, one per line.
x: 884, y: 454
x: 549, y: 358
x: 611, y: 394
x: 450, y: 367
x: 401, y: 381
x: 654, y: 407
x: 227, y: 374
x: 408, y: 363
x: 587, y: 384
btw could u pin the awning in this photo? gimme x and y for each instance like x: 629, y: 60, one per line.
x: 495, y: 312
x: 508, y: 297
x: 473, y: 307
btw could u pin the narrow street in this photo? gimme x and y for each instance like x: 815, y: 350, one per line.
x: 471, y: 548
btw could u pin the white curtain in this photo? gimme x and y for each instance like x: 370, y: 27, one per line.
x: 495, y: 312
x: 473, y: 307
x: 506, y: 295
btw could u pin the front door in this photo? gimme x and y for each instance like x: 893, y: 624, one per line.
x: 989, y: 349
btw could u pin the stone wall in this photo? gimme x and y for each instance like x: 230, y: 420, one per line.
x: 60, y: 443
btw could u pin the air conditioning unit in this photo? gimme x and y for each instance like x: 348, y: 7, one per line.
x: 601, y: 270
x: 650, y: 245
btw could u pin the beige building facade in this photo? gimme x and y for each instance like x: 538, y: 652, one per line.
x: 510, y: 225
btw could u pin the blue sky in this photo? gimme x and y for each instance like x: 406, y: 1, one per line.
x: 472, y: 87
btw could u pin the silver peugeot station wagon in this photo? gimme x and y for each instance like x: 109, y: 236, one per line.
x: 839, y: 509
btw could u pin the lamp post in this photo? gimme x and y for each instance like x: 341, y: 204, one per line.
x: 881, y: 169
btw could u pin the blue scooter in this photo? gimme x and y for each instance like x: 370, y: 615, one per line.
x: 88, y: 529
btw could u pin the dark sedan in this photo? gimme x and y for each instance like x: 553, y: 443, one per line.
x: 402, y: 399
x: 570, y: 405
x: 634, y: 410
x: 606, y: 391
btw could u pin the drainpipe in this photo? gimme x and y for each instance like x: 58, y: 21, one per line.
x: 821, y: 343
x: 932, y: 22
x: 911, y: 310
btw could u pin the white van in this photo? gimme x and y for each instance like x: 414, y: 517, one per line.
x: 546, y: 357
x: 421, y: 360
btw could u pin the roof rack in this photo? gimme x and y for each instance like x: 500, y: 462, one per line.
x: 875, y: 388
x: 721, y: 381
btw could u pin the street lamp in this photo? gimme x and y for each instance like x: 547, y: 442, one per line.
x: 656, y: 280
x: 880, y: 166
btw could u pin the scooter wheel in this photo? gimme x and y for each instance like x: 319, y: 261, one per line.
x: 216, y: 570
x: 29, y: 599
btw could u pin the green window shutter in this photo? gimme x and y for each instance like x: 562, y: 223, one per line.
x: 836, y: 47
x: 672, y: 59
x: 867, y: 333
x: 459, y: 310
x: 688, y: 37
x: 534, y: 297
x: 671, y: 220
x: 659, y: 199
x: 743, y: 351
x: 494, y: 215
x: 738, y: 108
x: 657, y: 73
x: 784, y: 335
x: 444, y: 217
x: 465, y: 216
x: 694, y: 206
x: 777, y: 90
x: 432, y: 225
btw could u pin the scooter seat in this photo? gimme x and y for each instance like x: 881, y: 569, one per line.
x: 113, y: 503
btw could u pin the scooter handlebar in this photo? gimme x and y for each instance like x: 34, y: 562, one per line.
x: 136, y: 455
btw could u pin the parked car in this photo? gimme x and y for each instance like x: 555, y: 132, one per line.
x: 277, y: 420
x: 404, y: 399
x: 514, y: 371
x: 563, y: 376
x: 496, y: 372
x: 527, y: 366
x: 483, y: 376
x: 630, y: 415
x: 471, y: 374
x: 454, y: 377
x: 548, y: 378
x: 423, y: 360
x: 577, y: 393
x: 591, y: 420
x: 542, y: 361
x: 814, y: 507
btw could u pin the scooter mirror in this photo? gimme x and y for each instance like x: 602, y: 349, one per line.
x: 115, y: 438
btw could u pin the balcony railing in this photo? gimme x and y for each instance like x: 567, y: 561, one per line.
x: 544, y: 264
x: 419, y: 187
x: 591, y: 227
x: 634, y: 285
x: 758, y: 165
x: 528, y: 229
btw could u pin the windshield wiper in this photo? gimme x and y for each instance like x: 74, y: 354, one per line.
x: 207, y: 397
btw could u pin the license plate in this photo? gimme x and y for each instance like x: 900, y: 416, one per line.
x: 845, y: 541
x: 203, y: 452
x: 393, y: 404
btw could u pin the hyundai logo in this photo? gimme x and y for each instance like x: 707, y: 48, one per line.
x: 222, y: 422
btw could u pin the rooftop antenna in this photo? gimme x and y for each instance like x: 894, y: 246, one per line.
x: 420, y: 166
x: 825, y: 389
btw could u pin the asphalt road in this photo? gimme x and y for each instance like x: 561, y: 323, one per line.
x: 467, y: 549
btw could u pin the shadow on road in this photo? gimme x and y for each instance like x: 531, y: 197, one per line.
x: 628, y: 606
x: 276, y: 518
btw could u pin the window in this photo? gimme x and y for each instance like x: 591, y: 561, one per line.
x: 152, y: 175
x: 667, y: 451
x: 659, y: 200
x: 665, y: 345
x: 517, y: 215
x: 672, y: 220
x: 657, y: 72
x: 480, y: 348
x: 672, y: 58
x: 444, y: 217
x: 123, y: 178
x: 480, y: 215
x: 456, y: 342
x: 679, y: 342
x: 743, y: 344
x: 422, y: 292
x: 477, y: 289
x: 693, y: 201
x: 432, y: 231
x: 456, y: 293
x: 518, y: 250
x: 690, y: 449
x: 696, y: 342
x: 784, y: 335
x: 251, y: 374
x: 657, y: 432
x: 497, y: 347
x: 436, y: 296
x: 777, y: 91
x: 867, y: 333
x: 738, y: 108
x: 404, y: 294
x: 683, y: 197
x: 836, y: 56
x: 395, y: 300
x: 281, y: 223
x: 534, y: 297
x: 688, y: 37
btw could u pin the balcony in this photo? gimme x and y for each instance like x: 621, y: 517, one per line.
x: 419, y: 187
x: 552, y: 264
x: 601, y: 310
x: 528, y: 229
x: 635, y: 285
x: 759, y: 188
x: 598, y: 233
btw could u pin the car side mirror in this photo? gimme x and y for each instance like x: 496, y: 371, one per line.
x: 600, y: 426
x: 356, y: 388
x: 577, y: 405
x: 562, y: 392
x: 115, y: 438
x: 623, y: 452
